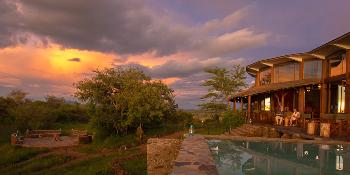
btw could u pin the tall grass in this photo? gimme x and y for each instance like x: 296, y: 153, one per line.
x: 136, y: 166
x: 37, y: 165
x: 11, y: 155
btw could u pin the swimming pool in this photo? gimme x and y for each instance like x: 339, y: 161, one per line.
x: 247, y: 157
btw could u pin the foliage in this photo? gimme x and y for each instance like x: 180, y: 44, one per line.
x: 221, y: 85
x: 232, y: 119
x: 124, y: 98
x: 21, y: 113
x: 186, y: 118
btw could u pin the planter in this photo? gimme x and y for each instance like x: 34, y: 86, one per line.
x: 85, y: 139
x: 325, y: 129
x: 311, y: 128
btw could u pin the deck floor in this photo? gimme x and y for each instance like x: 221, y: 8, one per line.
x: 49, y: 142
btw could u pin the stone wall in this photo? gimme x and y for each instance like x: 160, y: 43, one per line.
x: 161, y: 154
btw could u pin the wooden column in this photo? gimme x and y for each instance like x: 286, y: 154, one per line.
x: 347, y: 85
x: 249, y: 105
x: 301, y: 70
x: 272, y: 102
x: 323, y: 90
x: 257, y: 79
x: 301, y: 100
x: 272, y: 74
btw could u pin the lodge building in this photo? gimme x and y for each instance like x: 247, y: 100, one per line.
x: 315, y: 83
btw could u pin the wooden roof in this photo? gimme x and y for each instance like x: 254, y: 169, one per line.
x: 274, y: 87
x: 321, y: 52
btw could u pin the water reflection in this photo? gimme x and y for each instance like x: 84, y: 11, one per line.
x: 242, y: 157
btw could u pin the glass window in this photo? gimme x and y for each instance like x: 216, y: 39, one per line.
x: 265, y: 77
x: 266, y: 104
x: 338, y: 65
x: 286, y: 72
x: 341, y: 99
x: 313, y: 69
x: 337, y: 98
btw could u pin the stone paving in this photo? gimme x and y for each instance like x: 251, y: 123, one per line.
x: 49, y: 142
x: 194, y: 158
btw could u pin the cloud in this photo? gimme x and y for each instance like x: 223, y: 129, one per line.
x: 74, y: 59
x: 186, y: 68
x: 123, y: 27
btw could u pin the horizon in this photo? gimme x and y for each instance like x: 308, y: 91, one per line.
x: 47, y: 46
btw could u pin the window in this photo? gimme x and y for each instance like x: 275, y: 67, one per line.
x: 337, y: 65
x: 286, y: 72
x: 265, y: 77
x: 266, y: 104
x: 337, y: 97
x: 313, y: 69
x: 341, y: 99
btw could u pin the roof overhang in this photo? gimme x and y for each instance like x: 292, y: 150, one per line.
x: 274, y: 87
x: 336, y: 45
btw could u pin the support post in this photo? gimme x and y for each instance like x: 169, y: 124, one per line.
x: 323, y: 90
x: 257, y: 79
x: 301, y: 99
x: 347, y: 85
x: 249, y: 106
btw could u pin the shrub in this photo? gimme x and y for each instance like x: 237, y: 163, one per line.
x: 232, y: 119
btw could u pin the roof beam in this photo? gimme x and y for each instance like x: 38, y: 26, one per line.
x: 254, y: 69
x: 343, y: 46
x: 318, y: 56
x: 299, y: 59
x: 267, y: 64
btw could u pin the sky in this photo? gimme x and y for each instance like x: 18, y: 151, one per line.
x: 46, y: 46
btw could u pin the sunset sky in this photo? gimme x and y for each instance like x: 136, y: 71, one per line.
x: 47, y: 45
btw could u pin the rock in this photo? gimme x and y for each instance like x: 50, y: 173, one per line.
x: 285, y: 136
x: 296, y: 136
x: 265, y: 132
x: 273, y: 133
x: 161, y: 154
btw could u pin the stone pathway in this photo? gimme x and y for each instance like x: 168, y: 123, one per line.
x: 49, y: 142
x: 194, y: 158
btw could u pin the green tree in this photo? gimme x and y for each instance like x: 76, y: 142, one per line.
x: 221, y: 85
x: 124, y: 98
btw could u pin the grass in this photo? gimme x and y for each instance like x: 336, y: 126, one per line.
x: 96, y: 158
x: 10, y: 155
x: 212, y: 128
x: 101, y: 164
x: 37, y: 164
x: 136, y: 166
x: 96, y: 165
x: 109, y: 143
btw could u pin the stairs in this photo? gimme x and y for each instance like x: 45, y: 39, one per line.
x: 247, y: 130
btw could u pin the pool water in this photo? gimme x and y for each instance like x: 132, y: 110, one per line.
x: 246, y: 157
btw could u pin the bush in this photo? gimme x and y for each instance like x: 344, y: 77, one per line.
x: 232, y: 119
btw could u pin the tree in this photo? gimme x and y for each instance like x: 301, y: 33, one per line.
x: 124, y: 98
x: 221, y: 85
x: 18, y: 96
